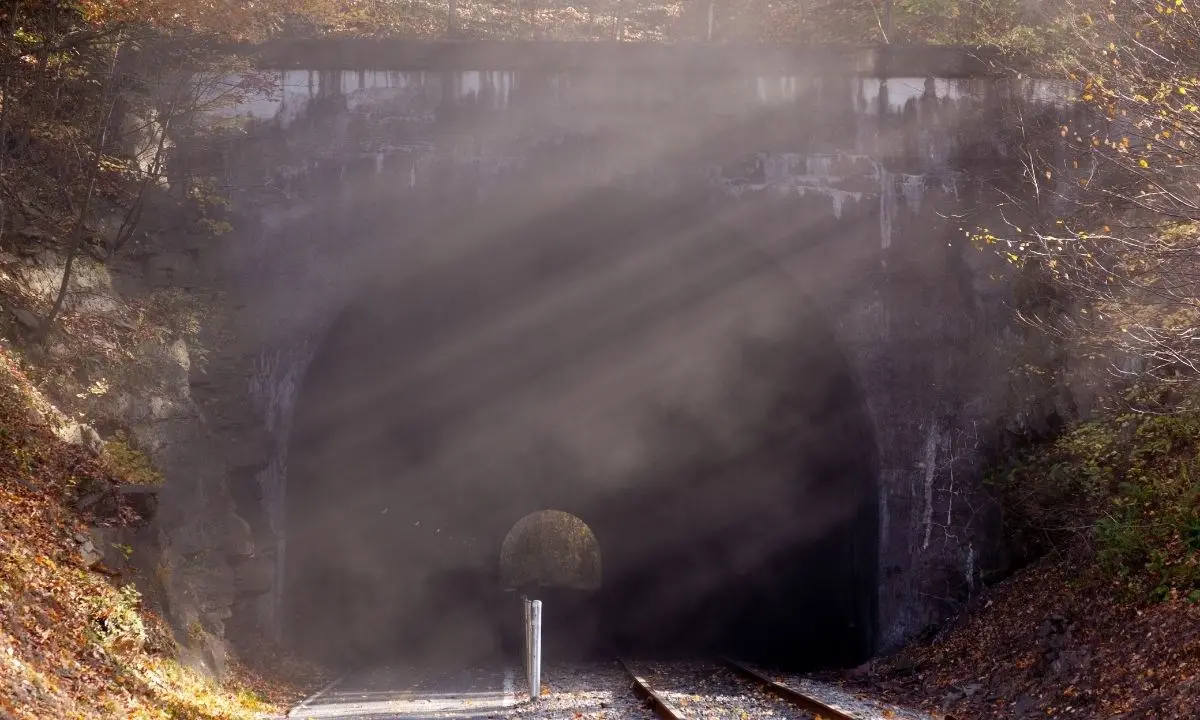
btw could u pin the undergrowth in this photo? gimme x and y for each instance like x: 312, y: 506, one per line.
x: 126, y: 460
x: 1125, y: 487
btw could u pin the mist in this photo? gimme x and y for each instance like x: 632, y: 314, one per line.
x: 693, y: 307
x: 627, y: 360
x: 704, y: 323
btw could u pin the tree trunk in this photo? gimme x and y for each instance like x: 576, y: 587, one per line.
x: 5, y: 101
x: 78, y: 234
x: 132, y: 218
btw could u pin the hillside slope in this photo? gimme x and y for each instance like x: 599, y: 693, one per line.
x: 1106, y: 623
x: 76, y: 640
x: 1045, y: 645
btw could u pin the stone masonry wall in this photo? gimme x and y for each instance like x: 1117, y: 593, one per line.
x: 856, y: 177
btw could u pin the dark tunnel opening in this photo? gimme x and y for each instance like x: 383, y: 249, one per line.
x: 632, y: 363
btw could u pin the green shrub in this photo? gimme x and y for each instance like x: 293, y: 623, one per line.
x: 129, y: 463
x: 116, y: 621
x: 1128, y: 485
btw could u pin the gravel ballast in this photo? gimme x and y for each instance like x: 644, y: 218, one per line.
x: 595, y: 691
x: 700, y: 690
x: 851, y: 703
x: 711, y: 691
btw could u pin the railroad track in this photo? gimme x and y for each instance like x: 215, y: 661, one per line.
x: 720, y: 689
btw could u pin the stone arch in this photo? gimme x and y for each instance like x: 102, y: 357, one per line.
x: 696, y: 393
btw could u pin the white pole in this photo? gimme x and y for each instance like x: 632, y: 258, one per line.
x: 535, y: 655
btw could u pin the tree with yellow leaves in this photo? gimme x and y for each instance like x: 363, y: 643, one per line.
x: 1109, y: 228
x: 89, y: 92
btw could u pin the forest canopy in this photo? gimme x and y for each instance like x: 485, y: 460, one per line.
x: 850, y: 21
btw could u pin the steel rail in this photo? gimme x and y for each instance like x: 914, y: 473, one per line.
x: 661, y: 706
x: 789, y: 693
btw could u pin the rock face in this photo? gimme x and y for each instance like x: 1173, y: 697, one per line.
x: 847, y: 183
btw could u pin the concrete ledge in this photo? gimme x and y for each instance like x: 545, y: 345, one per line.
x: 612, y: 57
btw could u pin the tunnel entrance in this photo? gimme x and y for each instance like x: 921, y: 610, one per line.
x: 553, y: 556
x: 550, y: 548
x: 630, y: 362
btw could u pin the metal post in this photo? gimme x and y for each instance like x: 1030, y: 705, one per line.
x: 528, y: 636
x: 535, y: 650
x: 532, y: 657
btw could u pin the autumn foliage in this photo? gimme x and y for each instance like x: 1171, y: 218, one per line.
x: 895, y: 21
x: 1108, y: 224
x: 75, y: 642
x: 1103, y: 231
x: 1045, y: 645
x: 1108, y: 235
